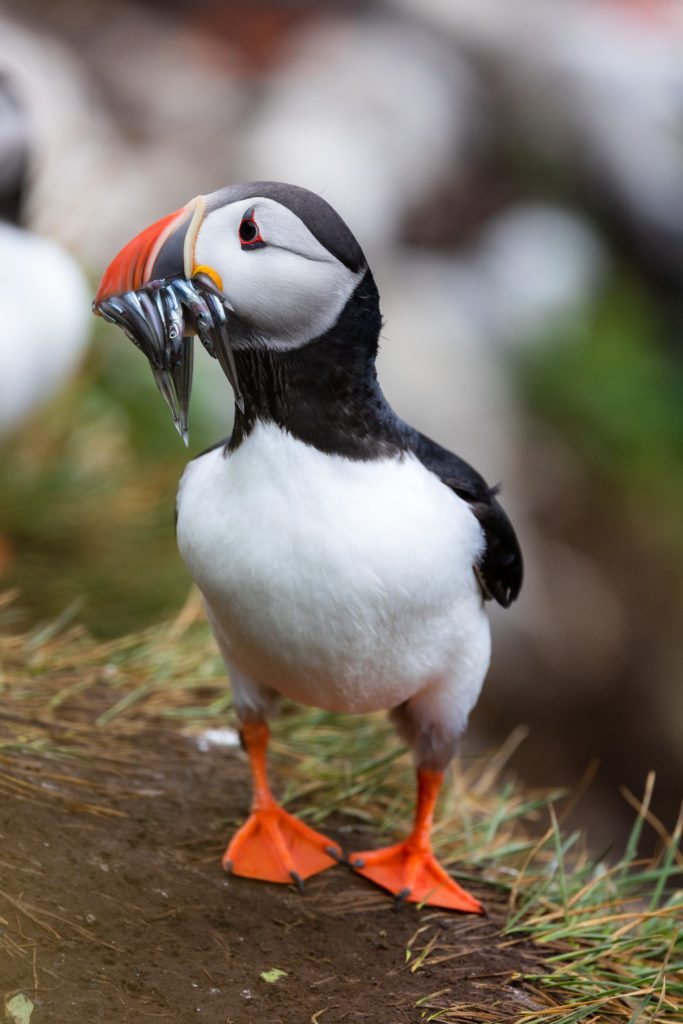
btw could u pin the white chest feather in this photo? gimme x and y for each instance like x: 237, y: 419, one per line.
x: 347, y: 585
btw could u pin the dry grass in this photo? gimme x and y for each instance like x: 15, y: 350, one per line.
x: 610, y: 934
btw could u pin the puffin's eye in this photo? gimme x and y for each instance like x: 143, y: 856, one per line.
x: 249, y: 232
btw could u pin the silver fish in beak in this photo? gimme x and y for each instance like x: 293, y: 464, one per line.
x: 150, y: 291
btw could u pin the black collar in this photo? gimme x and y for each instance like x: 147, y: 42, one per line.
x: 325, y: 393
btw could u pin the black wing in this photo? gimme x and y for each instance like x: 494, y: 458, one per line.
x: 500, y: 570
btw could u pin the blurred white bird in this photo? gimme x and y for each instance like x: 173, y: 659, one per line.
x: 543, y: 263
x: 44, y: 330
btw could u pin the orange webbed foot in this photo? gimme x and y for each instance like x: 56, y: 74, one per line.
x: 412, y: 873
x: 274, y: 846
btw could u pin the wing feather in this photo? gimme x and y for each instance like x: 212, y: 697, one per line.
x: 500, y: 570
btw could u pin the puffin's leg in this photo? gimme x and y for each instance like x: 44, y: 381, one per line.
x: 273, y: 845
x: 409, y: 869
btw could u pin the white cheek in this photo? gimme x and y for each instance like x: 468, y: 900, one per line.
x: 287, y: 298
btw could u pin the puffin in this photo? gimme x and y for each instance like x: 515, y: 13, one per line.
x: 345, y: 559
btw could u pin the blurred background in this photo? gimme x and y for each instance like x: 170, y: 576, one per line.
x: 514, y: 172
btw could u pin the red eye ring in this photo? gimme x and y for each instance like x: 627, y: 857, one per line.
x: 249, y: 232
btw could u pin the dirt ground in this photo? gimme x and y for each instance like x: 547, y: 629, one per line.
x: 128, y: 917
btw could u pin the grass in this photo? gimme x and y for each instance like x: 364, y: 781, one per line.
x: 609, y: 929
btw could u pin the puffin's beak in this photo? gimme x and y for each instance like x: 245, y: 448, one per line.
x: 153, y: 291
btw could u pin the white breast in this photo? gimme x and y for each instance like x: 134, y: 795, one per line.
x: 347, y: 585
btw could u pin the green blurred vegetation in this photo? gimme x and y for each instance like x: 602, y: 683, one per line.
x: 88, y: 497
x: 612, y: 383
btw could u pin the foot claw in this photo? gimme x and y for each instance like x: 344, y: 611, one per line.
x: 402, y: 897
x: 298, y: 881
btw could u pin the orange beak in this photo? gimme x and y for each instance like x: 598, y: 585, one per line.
x: 161, y: 251
x: 154, y: 291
